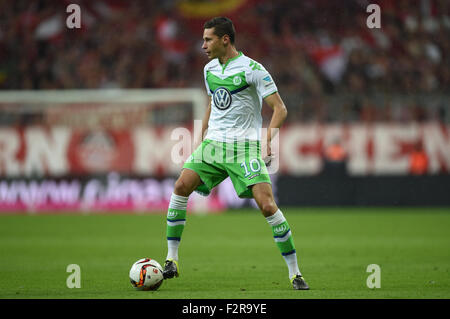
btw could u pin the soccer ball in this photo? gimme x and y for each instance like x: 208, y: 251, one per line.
x: 146, y: 274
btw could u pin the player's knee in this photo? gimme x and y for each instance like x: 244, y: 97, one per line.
x: 268, y: 208
x: 182, y: 188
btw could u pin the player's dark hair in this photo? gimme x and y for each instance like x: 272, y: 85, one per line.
x: 222, y: 26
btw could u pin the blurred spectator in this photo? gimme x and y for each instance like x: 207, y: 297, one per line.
x: 418, y: 160
x: 335, y: 159
x: 315, y: 49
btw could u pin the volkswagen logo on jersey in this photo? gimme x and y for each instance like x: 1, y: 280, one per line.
x: 222, y: 98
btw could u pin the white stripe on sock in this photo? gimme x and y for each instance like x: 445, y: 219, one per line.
x: 180, y: 222
x: 291, y: 262
x: 276, y: 218
x: 172, y: 249
x: 178, y: 202
x: 284, y: 238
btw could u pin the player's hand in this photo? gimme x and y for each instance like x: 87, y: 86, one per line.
x: 267, y: 153
x: 267, y: 160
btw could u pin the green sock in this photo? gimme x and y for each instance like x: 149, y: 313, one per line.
x: 176, y: 219
x: 283, y: 238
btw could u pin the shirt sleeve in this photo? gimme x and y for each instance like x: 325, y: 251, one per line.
x: 208, y: 91
x: 263, y: 81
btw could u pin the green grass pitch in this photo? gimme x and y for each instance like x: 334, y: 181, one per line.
x: 231, y: 255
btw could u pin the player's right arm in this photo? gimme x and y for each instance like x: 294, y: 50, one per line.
x: 206, y: 118
x: 208, y: 109
x: 279, y: 115
x: 198, y: 140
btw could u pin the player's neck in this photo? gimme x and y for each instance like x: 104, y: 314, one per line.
x: 230, y: 54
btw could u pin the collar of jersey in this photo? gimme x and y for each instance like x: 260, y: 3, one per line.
x: 229, y: 60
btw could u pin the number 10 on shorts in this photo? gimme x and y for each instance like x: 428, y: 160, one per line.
x: 254, y: 166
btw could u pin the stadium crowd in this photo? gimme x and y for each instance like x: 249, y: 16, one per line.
x: 328, y: 65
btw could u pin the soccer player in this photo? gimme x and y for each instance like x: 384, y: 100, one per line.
x: 236, y: 86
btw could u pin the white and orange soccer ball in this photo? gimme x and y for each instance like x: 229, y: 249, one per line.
x: 146, y: 274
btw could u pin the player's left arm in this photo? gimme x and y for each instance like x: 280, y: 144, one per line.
x: 279, y: 114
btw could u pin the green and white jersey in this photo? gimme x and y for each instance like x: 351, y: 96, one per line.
x: 237, y: 89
